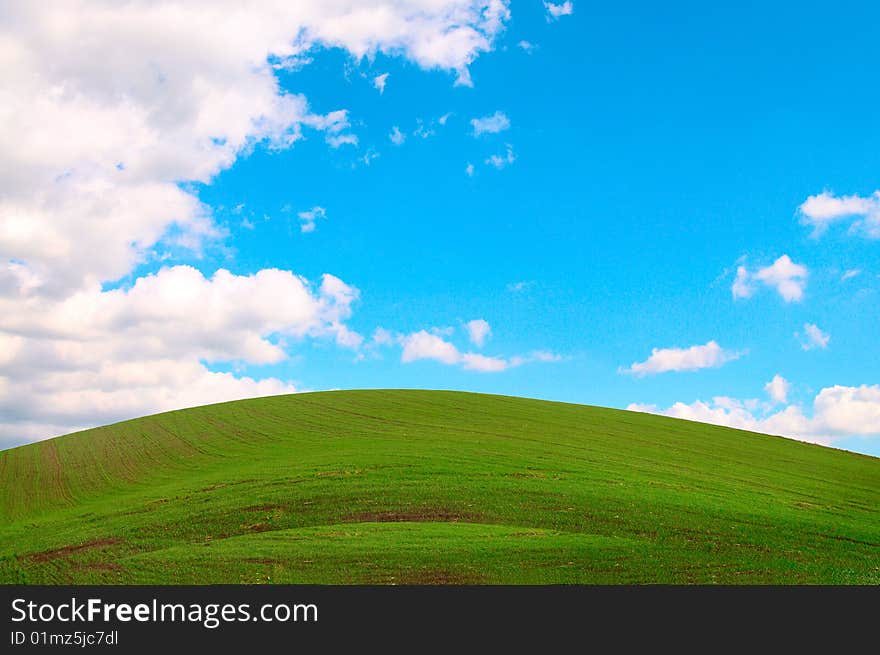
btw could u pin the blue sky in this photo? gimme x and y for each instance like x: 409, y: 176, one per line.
x: 648, y: 153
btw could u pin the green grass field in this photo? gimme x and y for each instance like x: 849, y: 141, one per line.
x: 425, y: 487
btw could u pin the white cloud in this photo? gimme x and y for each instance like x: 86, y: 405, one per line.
x: 662, y: 360
x: 105, y: 109
x: 425, y: 345
x: 382, y: 337
x: 822, y: 210
x: 422, y: 131
x: 838, y: 412
x: 813, y: 337
x: 851, y: 273
x: 543, y: 356
x: 787, y: 278
x: 493, y: 124
x: 445, y: 117
x: 777, y: 389
x: 469, y: 170
x: 379, y: 82
x: 100, y: 356
x: 477, y: 362
x: 369, y: 157
x: 742, y: 287
x: 526, y: 45
x: 110, y: 115
x: 308, y: 218
x: 555, y: 11
x: 339, y: 140
x: 502, y: 160
x: 396, y: 136
x: 478, y: 331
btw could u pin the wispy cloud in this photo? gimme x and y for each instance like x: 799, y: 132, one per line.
x: 502, y: 160
x: 396, y: 136
x: 813, y: 337
x: 379, y: 82
x: 309, y: 217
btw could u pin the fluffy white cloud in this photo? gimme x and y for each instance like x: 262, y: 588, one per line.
x: 813, y: 337
x: 99, y: 356
x: 777, y: 389
x: 309, y: 217
x: 822, y: 210
x: 379, y: 82
x: 851, y: 273
x: 787, y: 278
x: 424, y: 345
x: 556, y: 10
x: 497, y: 122
x: 503, y: 160
x: 469, y: 170
x: 74, y: 400
x: 838, y: 412
x: 109, y: 113
x: 105, y: 108
x: 662, y: 360
x: 431, y: 345
x: 478, y: 331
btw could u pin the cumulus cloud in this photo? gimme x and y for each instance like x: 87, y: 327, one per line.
x: 110, y: 116
x: 787, y: 278
x: 824, y: 209
x: 469, y: 170
x: 478, y: 331
x: 105, y: 109
x: 813, y: 337
x: 557, y: 10
x: 309, y: 217
x: 838, y: 412
x: 424, y: 345
x: 662, y: 360
x: 103, y: 355
x: 493, y: 124
x: 431, y: 345
x: 379, y: 82
x: 777, y: 389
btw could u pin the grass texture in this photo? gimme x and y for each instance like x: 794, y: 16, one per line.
x: 433, y: 487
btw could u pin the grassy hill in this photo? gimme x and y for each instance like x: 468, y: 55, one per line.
x: 400, y: 487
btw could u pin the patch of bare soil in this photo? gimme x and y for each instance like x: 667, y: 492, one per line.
x: 418, y: 515
x: 437, y: 577
x: 67, y: 551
